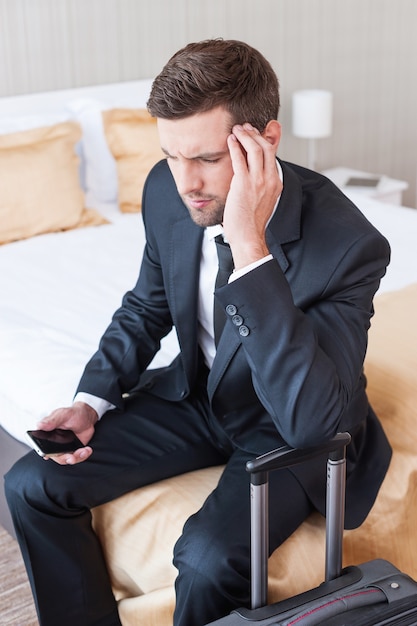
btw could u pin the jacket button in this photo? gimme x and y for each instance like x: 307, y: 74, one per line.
x: 244, y: 331
x: 231, y: 309
x: 237, y: 320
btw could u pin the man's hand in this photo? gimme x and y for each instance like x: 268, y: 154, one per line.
x: 80, y: 418
x: 254, y: 190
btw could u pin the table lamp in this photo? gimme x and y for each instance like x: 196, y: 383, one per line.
x: 312, y: 118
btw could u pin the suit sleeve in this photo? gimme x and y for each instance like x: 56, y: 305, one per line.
x: 133, y: 337
x: 306, y: 357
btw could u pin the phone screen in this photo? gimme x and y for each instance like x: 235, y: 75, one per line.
x: 53, y: 442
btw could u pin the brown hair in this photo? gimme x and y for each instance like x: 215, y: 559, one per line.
x: 213, y: 73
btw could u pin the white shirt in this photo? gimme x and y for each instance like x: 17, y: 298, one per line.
x: 208, y: 272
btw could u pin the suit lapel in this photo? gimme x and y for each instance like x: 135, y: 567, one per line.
x: 228, y: 345
x: 285, y: 226
x: 184, y: 267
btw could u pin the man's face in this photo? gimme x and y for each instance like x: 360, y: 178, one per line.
x: 199, y: 160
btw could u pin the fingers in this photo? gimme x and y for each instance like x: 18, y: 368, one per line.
x: 255, y: 152
x: 79, y: 417
x: 237, y: 155
x: 78, y: 456
x: 57, y: 419
x: 50, y: 422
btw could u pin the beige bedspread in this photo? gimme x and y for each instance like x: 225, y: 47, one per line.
x: 138, y: 531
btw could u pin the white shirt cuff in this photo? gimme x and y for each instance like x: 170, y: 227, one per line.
x: 245, y: 270
x: 98, y: 404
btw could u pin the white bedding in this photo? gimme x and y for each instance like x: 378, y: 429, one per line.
x: 399, y: 225
x: 58, y: 291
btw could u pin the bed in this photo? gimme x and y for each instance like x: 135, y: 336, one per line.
x: 63, y: 274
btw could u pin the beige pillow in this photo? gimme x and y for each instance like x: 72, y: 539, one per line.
x: 133, y: 140
x: 39, y: 183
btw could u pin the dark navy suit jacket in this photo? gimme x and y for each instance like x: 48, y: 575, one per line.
x: 289, y: 368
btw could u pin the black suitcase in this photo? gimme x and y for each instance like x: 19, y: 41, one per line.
x: 372, y: 594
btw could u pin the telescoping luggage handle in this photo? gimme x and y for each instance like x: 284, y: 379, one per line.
x: 259, y: 469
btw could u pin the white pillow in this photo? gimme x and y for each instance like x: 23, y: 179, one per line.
x: 98, y: 171
x: 27, y: 122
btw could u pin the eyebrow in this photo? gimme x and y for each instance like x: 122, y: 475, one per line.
x: 203, y: 155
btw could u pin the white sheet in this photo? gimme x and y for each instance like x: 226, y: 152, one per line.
x: 399, y: 225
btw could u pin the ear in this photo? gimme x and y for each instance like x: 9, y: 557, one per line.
x: 272, y: 133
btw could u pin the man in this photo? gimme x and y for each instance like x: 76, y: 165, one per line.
x: 286, y: 368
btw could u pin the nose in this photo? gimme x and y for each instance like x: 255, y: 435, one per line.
x: 187, y: 177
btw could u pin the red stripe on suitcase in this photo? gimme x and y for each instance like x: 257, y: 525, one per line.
x: 343, y: 599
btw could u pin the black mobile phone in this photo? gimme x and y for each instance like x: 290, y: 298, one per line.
x: 52, y: 442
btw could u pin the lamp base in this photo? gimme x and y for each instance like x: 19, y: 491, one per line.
x: 311, y: 154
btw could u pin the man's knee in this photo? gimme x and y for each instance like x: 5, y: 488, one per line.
x: 32, y: 481
x: 19, y: 477
x: 213, y: 558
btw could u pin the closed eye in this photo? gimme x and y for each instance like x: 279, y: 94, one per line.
x: 210, y: 160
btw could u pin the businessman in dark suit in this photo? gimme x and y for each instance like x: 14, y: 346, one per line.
x: 287, y: 366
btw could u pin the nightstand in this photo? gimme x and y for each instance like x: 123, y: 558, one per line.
x: 382, y: 188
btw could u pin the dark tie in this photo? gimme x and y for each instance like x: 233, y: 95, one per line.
x: 225, y: 269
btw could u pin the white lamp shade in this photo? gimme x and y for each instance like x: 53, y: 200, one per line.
x: 312, y: 111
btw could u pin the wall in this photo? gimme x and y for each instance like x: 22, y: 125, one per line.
x: 365, y: 51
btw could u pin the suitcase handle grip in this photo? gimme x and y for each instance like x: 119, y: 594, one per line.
x: 284, y: 457
x: 288, y: 457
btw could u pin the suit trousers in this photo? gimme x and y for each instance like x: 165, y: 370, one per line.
x: 151, y: 439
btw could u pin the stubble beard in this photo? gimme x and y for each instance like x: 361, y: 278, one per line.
x: 206, y: 216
